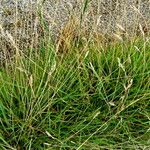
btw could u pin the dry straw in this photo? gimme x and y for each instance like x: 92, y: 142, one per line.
x: 27, y: 21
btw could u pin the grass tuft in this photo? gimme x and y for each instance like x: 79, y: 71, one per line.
x: 65, y: 83
x: 91, y: 97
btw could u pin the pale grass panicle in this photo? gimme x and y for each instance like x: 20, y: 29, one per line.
x: 104, y: 17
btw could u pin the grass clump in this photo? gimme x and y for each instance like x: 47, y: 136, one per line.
x: 89, y: 97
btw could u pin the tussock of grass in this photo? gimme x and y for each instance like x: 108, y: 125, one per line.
x: 88, y: 89
x: 89, y: 97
